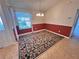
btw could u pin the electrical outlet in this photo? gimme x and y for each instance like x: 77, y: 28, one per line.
x: 69, y: 17
x: 59, y: 31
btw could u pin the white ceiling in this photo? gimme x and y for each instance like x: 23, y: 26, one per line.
x: 43, y: 5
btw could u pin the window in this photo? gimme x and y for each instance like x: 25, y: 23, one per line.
x: 23, y: 20
x: 1, y: 25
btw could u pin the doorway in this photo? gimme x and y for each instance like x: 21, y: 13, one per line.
x: 75, y: 31
x: 6, y: 32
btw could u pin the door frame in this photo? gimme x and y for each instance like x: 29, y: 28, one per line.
x: 8, y: 31
x: 74, y: 24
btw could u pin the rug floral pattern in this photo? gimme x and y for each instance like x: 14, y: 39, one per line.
x: 32, y: 45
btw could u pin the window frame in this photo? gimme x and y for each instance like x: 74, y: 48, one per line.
x: 23, y: 16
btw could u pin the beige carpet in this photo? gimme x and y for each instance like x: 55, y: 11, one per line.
x: 10, y: 52
x: 65, y: 49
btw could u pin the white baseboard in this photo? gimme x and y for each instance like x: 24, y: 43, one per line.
x: 57, y: 34
x: 31, y: 32
x: 42, y: 30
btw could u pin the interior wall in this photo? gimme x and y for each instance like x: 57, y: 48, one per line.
x: 62, y: 13
x: 60, y: 18
x: 37, y: 22
x: 37, y: 19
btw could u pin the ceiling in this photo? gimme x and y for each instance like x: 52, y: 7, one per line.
x: 41, y: 5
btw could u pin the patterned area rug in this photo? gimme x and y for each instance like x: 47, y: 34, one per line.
x: 32, y: 45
